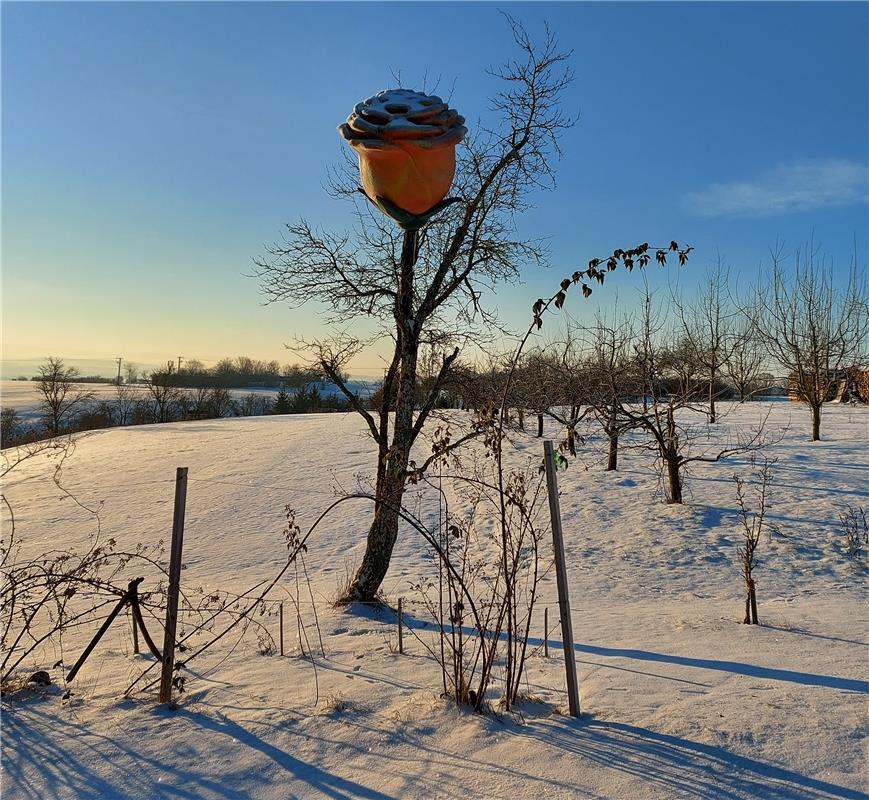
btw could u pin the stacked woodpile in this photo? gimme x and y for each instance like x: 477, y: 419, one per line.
x: 861, y: 382
x: 836, y: 386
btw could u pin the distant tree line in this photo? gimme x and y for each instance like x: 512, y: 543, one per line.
x: 230, y: 373
x: 638, y: 372
x: 68, y: 405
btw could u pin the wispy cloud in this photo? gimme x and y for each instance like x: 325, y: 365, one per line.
x: 798, y: 186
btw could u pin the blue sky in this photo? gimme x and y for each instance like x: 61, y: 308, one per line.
x: 150, y: 149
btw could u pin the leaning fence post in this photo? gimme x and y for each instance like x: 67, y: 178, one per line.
x: 561, y: 577
x: 132, y: 617
x: 174, y: 584
x: 400, y: 627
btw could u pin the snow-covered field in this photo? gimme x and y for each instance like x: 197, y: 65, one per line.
x: 679, y: 699
x: 25, y: 398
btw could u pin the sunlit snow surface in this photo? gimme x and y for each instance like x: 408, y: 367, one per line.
x: 679, y: 699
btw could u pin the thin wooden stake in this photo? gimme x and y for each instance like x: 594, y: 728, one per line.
x: 281, y: 611
x: 174, y: 584
x: 132, y: 617
x: 546, y: 632
x: 93, y: 643
x: 561, y: 576
x: 400, y: 631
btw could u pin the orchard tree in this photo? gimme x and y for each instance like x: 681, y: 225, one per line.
x: 708, y: 326
x: 748, y: 356
x: 614, y: 379
x: 669, y: 410
x: 813, y: 327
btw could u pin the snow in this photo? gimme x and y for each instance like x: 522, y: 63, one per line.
x: 25, y: 398
x: 679, y: 700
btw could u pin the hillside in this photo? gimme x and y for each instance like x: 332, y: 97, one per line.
x: 679, y: 699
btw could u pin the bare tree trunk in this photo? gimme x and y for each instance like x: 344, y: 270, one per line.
x: 671, y: 458
x: 539, y: 426
x: 571, y: 441
x: 521, y: 419
x: 612, y: 433
x: 816, y: 422
x: 675, y: 483
x: 613, y: 460
x: 393, y: 474
x: 383, y: 533
x: 753, y: 597
x: 750, y: 604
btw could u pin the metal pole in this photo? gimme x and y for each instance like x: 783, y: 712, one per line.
x: 546, y: 632
x: 174, y: 584
x: 561, y: 576
x: 281, y: 608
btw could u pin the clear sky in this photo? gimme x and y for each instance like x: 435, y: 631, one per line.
x: 150, y: 149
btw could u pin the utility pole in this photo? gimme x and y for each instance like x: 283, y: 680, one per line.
x: 119, y: 359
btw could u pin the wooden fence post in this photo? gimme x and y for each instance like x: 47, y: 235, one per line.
x: 400, y: 632
x: 174, y: 584
x: 135, y: 631
x: 561, y: 577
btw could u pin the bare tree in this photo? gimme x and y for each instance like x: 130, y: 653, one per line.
x: 126, y: 398
x: 536, y: 383
x: 669, y: 410
x: 194, y: 402
x: 61, y: 397
x: 11, y: 427
x: 220, y: 401
x: 427, y: 289
x: 164, y: 392
x: 569, y: 386
x: 679, y: 362
x: 812, y: 327
x: 747, y: 357
x: 252, y: 404
x: 647, y: 350
x: 707, y: 325
x: 752, y: 527
x: 614, y: 379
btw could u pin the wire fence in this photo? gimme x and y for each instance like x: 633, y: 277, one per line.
x: 414, y: 622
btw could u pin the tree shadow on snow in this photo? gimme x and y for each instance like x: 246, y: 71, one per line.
x: 680, y: 767
x: 735, y: 667
x: 48, y: 754
x: 316, y: 778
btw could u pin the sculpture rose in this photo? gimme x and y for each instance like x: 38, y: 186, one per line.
x: 406, y: 145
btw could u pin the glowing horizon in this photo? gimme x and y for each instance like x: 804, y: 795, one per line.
x: 145, y: 162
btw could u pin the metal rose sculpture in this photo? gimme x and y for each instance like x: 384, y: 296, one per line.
x: 406, y: 144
